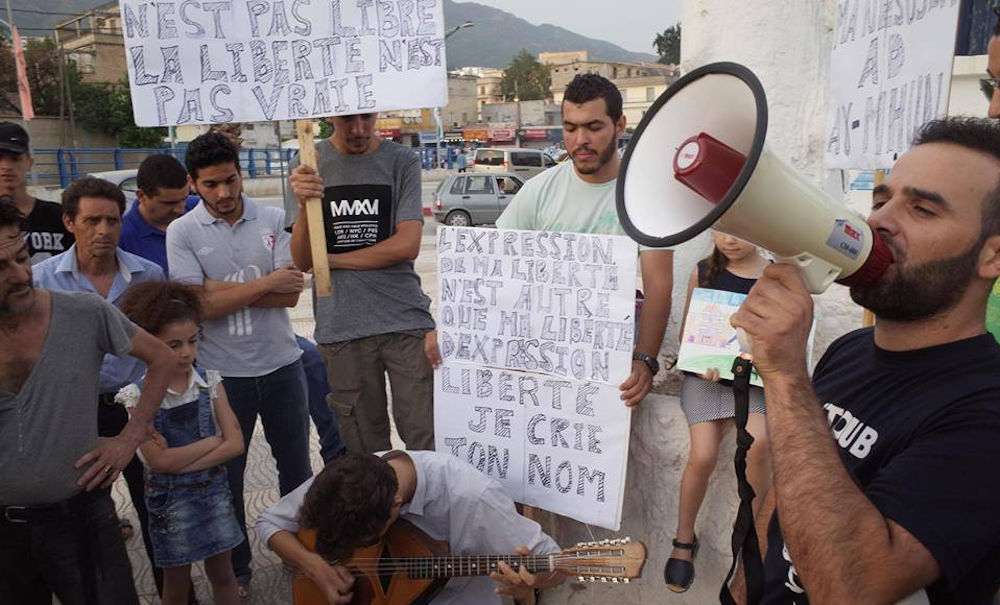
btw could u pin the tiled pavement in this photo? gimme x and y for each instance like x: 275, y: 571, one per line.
x: 271, y: 583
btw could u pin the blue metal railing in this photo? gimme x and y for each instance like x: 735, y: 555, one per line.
x: 63, y: 165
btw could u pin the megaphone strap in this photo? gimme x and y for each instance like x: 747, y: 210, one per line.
x: 745, y: 544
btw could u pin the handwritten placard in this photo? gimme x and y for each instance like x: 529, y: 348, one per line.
x: 536, y: 329
x: 557, y: 444
x: 195, y: 62
x: 555, y: 303
x: 709, y: 341
x: 890, y: 73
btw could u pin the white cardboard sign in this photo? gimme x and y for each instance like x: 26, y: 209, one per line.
x: 557, y: 444
x: 538, y: 301
x: 197, y: 62
x: 890, y: 73
x: 536, y: 330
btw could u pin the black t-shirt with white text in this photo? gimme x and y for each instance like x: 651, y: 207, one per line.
x: 45, y: 232
x: 920, y: 433
x: 357, y: 216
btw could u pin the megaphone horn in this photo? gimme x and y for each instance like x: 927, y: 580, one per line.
x: 698, y: 160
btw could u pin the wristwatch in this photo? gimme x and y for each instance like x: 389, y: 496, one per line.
x: 649, y: 360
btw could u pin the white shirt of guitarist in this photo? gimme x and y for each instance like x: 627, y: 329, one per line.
x: 453, y: 502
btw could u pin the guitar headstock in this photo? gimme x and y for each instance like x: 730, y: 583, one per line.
x: 617, y: 561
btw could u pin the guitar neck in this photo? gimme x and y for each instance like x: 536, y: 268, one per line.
x: 473, y: 565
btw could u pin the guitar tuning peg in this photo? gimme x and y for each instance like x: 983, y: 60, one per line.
x: 614, y: 580
x: 591, y: 579
x: 604, y: 580
x: 581, y: 579
x: 625, y: 580
x: 626, y: 540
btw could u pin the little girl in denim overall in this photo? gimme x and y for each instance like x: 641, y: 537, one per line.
x: 191, y: 515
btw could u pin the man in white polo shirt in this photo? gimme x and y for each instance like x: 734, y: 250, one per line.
x: 237, y: 252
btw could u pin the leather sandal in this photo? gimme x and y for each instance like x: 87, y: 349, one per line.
x: 679, y: 574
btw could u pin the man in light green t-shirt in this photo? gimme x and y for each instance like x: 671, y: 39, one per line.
x: 579, y: 196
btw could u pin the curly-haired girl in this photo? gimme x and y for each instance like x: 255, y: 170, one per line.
x: 191, y: 514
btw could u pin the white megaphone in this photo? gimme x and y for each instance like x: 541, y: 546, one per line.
x: 698, y: 160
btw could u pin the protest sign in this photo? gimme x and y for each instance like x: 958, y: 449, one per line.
x: 890, y: 73
x: 536, y: 330
x: 554, y: 303
x: 709, y: 341
x: 561, y: 445
x: 192, y: 62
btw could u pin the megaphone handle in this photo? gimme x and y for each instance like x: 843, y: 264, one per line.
x: 817, y: 273
x: 746, y: 343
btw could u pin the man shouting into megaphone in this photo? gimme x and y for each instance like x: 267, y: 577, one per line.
x: 902, y: 498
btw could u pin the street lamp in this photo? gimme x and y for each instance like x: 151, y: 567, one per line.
x: 437, y: 110
x: 458, y: 27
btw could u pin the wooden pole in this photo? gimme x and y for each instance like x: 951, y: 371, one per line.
x: 868, y: 318
x: 314, y: 212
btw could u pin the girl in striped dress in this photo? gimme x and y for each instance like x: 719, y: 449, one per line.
x: 708, y: 404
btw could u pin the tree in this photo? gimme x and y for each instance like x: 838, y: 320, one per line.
x: 668, y: 45
x: 107, y: 107
x: 526, y: 78
x: 41, y: 59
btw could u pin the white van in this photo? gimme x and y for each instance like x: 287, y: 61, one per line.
x: 525, y: 163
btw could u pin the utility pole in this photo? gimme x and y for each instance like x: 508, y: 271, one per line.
x: 442, y: 147
x: 517, y: 117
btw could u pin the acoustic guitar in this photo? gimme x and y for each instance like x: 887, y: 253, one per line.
x: 408, y: 567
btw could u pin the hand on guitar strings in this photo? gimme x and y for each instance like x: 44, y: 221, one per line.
x: 335, y: 581
x: 521, y: 584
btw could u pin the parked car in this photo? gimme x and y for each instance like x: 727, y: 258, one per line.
x: 124, y: 179
x: 468, y: 199
x: 525, y: 163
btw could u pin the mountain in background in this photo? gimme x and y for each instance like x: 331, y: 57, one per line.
x: 493, y: 42
x: 499, y: 35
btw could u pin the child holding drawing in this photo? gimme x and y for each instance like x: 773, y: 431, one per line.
x: 734, y: 265
x: 191, y: 514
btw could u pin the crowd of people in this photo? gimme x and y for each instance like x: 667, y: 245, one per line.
x: 876, y: 475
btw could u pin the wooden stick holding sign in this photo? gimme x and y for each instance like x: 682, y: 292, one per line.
x: 314, y: 212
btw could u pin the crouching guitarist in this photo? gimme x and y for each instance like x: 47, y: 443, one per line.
x: 353, y: 502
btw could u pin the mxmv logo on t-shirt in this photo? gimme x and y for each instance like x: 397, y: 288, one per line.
x: 356, y: 216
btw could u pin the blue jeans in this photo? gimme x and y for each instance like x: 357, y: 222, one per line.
x: 330, y: 444
x: 279, y: 398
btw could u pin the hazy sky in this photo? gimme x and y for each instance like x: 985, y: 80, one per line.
x: 631, y: 24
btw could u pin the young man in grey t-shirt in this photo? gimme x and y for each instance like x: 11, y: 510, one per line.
x: 377, y: 316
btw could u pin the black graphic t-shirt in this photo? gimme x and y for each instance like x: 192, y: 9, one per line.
x: 365, y: 198
x: 45, y: 233
x: 920, y: 432
x: 356, y: 216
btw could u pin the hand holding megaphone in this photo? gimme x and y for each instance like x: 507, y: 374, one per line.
x: 776, y: 319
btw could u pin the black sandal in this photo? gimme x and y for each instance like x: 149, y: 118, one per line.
x: 679, y: 574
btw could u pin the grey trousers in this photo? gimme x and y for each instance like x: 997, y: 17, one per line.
x: 357, y: 371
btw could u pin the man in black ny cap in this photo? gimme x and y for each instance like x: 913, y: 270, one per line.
x: 43, y: 227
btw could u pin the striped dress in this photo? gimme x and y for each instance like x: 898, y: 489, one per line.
x: 703, y: 400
